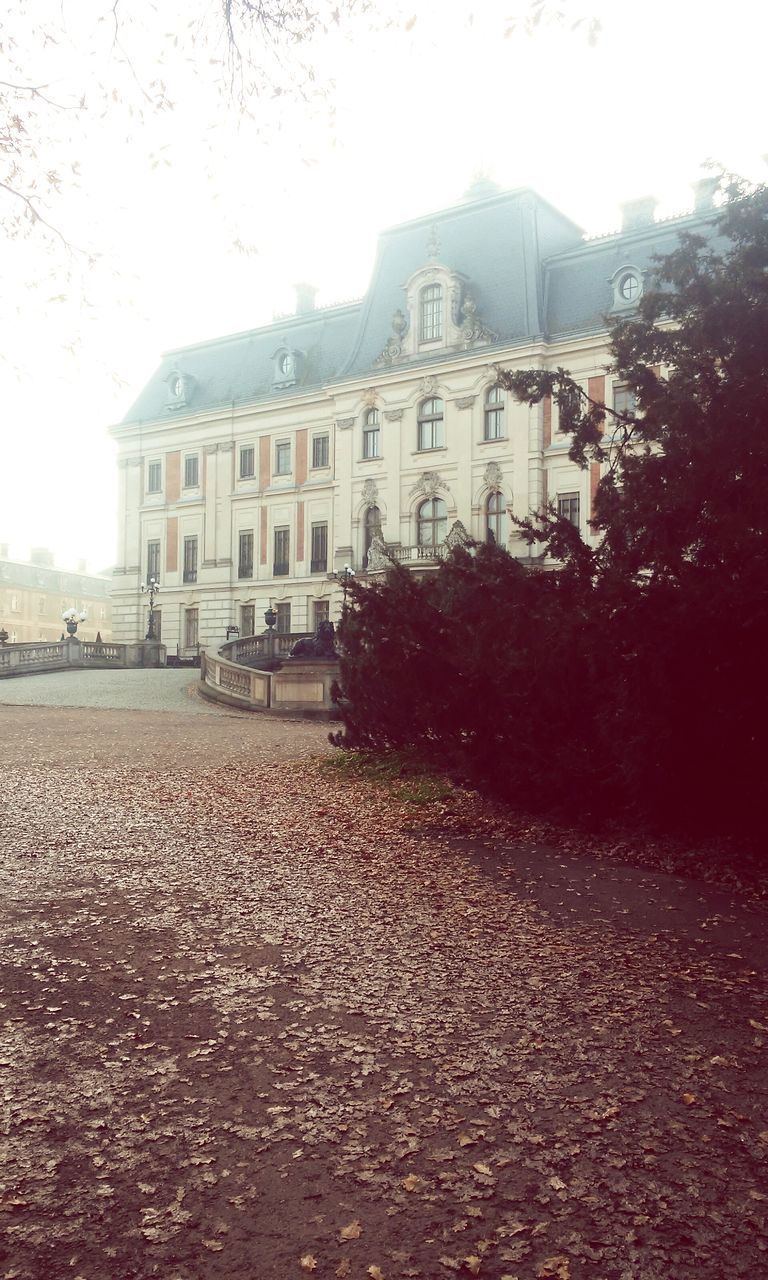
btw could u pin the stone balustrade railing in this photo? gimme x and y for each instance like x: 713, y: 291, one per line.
x: 298, y: 686
x: 25, y: 659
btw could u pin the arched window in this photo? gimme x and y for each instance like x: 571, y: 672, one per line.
x: 371, y: 528
x: 431, y: 433
x: 371, y: 435
x: 432, y: 520
x: 431, y: 313
x: 496, y: 518
x: 493, y: 427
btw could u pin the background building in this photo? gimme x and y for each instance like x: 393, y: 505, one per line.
x: 254, y: 464
x: 34, y: 594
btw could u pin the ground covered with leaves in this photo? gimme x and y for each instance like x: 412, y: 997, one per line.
x: 263, y: 1019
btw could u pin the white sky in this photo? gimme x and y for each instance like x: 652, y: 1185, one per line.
x: 413, y: 113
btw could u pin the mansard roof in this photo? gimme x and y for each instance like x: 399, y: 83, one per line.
x: 531, y: 273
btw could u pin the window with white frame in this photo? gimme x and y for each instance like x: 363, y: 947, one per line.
x: 319, y: 548
x: 493, y: 414
x: 568, y: 507
x: 190, y: 628
x: 153, y: 560
x: 371, y: 434
x: 431, y: 313
x: 191, y: 471
x: 245, y: 554
x: 281, y: 564
x: 283, y: 611
x: 431, y: 432
x: 190, y: 559
x: 496, y: 518
x: 320, y: 612
x: 154, y: 477
x: 432, y: 522
x: 248, y: 620
x: 247, y: 462
x: 320, y: 451
x: 283, y: 458
x: 624, y: 399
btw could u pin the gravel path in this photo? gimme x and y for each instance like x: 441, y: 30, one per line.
x: 256, y: 1024
x: 164, y: 689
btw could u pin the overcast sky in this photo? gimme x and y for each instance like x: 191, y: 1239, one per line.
x: 203, y: 216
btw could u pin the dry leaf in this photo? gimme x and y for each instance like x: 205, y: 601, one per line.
x: 689, y: 1099
x: 483, y: 1168
x: 411, y: 1182
x: 473, y: 1264
x: 343, y: 1269
x: 559, y: 1267
x: 308, y: 1263
x: 758, y: 1026
x: 352, y: 1232
x: 375, y: 1273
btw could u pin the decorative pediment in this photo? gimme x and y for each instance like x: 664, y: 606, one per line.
x: 457, y: 536
x: 429, y: 484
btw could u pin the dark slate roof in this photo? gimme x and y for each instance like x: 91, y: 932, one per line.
x: 578, y: 287
x: 528, y: 267
x: 240, y: 368
x: 497, y: 243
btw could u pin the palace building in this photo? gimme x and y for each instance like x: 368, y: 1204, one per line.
x: 254, y: 465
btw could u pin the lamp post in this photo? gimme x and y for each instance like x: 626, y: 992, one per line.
x: 270, y: 617
x: 72, y: 618
x: 344, y: 578
x: 152, y: 587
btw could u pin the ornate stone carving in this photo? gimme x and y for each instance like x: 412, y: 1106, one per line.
x: 433, y: 244
x: 393, y: 415
x: 465, y: 402
x: 428, y: 386
x: 428, y: 484
x: 473, y: 330
x: 394, y: 344
x: 377, y: 557
x: 457, y: 536
x: 344, y: 424
x: 492, y: 475
x: 370, y: 492
x: 370, y: 396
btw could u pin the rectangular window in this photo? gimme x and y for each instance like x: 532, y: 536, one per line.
x: 283, y: 624
x: 624, y: 399
x: 41, y: 605
x: 568, y: 507
x: 320, y: 611
x: 319, y: 552
x: 320, y: 451
x: 248, y: 620
x: 191, y: 471
x: 153, y: 560
x: 282, y: 552
x: 283, y: 458
x: 154, y: 477
x: 371, y: 442
x: 190, y: 559
x: 245, y: 555
x: 247, y: 462
x: 190, y: 628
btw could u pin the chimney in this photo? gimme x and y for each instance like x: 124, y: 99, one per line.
x: 305, y: 298
x: 41, y: 556
x: 637, y: 213
x: 704, y: 191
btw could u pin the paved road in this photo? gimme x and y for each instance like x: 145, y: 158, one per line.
x: 158, y: 690
x: 257, y: 1024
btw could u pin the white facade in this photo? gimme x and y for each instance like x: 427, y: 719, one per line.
x: 214, y: 466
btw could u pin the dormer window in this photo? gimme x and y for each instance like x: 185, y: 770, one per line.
x: 627, y: 285
x: 286, y: 367
x: 179, y: 389
x: 431, y: 313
